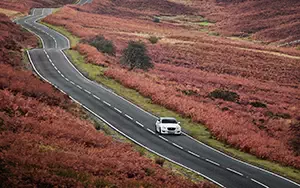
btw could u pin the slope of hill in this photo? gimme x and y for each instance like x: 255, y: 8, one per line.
x: 190, y: 65
x: 25, y: 5
x: 268, y: 20
x: 44, y: 142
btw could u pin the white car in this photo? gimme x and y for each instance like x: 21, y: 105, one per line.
x: 167, y: 125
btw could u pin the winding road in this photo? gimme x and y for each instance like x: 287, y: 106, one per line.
x: 53, y: 66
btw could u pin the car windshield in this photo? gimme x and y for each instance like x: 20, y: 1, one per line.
x: 168, y: 121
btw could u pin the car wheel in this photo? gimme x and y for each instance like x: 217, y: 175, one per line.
x: 159, y: 130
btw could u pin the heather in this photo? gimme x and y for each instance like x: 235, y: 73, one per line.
x: 270, y: 21
x: 46, y: 141
x: 25, y: 5
x: 260, y: 84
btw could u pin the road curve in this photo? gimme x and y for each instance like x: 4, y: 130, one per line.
x: 53, y: 66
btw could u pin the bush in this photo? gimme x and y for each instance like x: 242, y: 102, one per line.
x: 283, y: 115
x: 225, y: 95
x: 153, y: 39
x: 103, y: 45
x: 258, y: 104
x: 135, y: 56
x: 189, y: 92
x: 148, y: 171
x: 295, y: 140
x: 156, y: 20
x: 160, y: 161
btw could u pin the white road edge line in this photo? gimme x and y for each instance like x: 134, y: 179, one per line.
x: 68, y: 41
x: 259, y: 183
x: 150, y: 131
x: 213, y: 162
x: 192, y: 153
x: 29, y: 57
x: 43, y: 44
x: 234, y: 171
x: 177, y: 145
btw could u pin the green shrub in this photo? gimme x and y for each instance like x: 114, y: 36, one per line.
x: 189, y: 92
x: 156, y: 20
x: 258, y: 104
x: 136, y: 56
x: 294, y: 142
x: 149, y: 171
x: 97, y: 126
x: 99, y: 183
x: 142, y: 151
x: 225, y: 95
x: 160, y: 161
x: 225, y: 109
x: 269, y: 113
x: 153, y: 39
x: 103, y: 45
x: 283, y: 115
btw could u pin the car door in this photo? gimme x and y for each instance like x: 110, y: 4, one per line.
x: 157, y: 124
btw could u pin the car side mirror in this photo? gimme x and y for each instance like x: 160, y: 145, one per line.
x: 178, y: 122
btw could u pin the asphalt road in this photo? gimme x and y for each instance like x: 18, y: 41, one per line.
x: 52, y: 65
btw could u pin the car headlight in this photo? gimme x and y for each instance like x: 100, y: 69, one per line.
x: 178, y: 128
x: 163, y: 127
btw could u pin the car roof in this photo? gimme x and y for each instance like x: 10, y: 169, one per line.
x: 167, y: 118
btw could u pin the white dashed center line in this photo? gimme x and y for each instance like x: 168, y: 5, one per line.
x: 190, y: 152
x: 129, y: 117
x: 150, y: 131
x: 259, y: 183
x: 177, y: 145
x: 106, y: 103
x: 234, y: 171
x: 213, y: 162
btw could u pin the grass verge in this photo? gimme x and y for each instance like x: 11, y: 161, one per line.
x: 197, y: 131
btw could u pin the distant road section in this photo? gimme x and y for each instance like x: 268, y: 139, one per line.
x: 82, y: 2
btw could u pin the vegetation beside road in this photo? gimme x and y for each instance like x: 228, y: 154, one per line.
x: 200, y: 132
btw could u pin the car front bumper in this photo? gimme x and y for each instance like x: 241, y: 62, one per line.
x: 171, y: 132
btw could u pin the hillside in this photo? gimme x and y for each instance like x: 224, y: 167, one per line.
x: 45, y: 140
x: 268, y: 20
x: 25, y: 5
x: 193, y: 67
